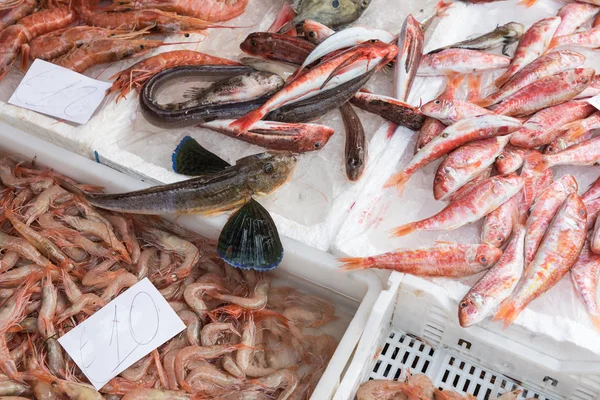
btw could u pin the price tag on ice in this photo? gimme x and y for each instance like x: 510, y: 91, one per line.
x: 59, y: 92
x: 121, y: 333
x: 595, y: 101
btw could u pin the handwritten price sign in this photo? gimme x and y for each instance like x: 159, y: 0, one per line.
x: 59, y: 92
x: 121, y: 333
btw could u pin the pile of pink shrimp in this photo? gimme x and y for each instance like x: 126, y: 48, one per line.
x: 61, y: 260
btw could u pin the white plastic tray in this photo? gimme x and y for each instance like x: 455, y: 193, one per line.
x: 413, y: 327
x: 303, y: 267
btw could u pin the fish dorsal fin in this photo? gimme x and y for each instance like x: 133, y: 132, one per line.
x: 189, y: 158
x: 193, y: 92
x: 249, y: 239
x: 340, y: 67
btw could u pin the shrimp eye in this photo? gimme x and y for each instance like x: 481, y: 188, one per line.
x: 317, y: 145
x: 253, y: 43
x: 501, y: 157
x: 335, y: 4
x: 312, y: 34
x: 268, y: 168
x: 437, y: 102
x: 463, y: 304
x: 364, y: 4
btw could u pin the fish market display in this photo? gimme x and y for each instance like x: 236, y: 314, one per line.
x: 64, y: 259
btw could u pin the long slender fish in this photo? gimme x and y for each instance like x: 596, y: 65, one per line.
x: 556, y: 255
x: 573, y: 16
x: 450, y: 111
x: 496, y: 285
x: 499, y: 224
x: 584, y: 276
x: 444, y: 259
x: 275, y: 46
x: 582, y: 154
x: 460, y: 61
x: 389, y: 108
x: 410, y: 52
x: 356, y: 143
x: 503, y: 35
x: 587, y: 39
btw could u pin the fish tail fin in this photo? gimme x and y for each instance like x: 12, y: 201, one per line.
x: 474, y: 84
x: 576, y: 130
x: 398, y: 180
x: 537, y: 161
x: 508, y: 312
x: 190, y: 158
x: 244, y: 123
x: 485, y: 102
x: 502, y: 79
x: 354, y: 263
x: 596, y: 321
x: 527, y: 3
x: 404, y: 230
x: 555, y: 42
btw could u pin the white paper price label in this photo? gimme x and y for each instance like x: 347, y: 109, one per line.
x: 59, y: 92
x: 121, y: 333
x: 595, y: 101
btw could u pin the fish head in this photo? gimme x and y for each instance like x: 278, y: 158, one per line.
x: 575, y: 209
x: 268, y: 171
x: 568, y: 183
x: 493, y: 234
x: 315, y: 137
x: 316, y: 32
x: 444, y: 182
x: 471, y: 309
x: 486, y: 256
x: 440, y: 109
x: 571, y: 58
x: 582, y: 77
x: 332, y: 13
x: 258, y: 44
x: 513, y: 32
x: 510, y: 183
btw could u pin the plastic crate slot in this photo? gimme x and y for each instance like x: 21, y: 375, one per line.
x: 476, y: 391
x: 385, y: 348
x: 387, y: 370
x: 377, y: 365
x: 472, y: 370
x: 395, y: 353
x: 406, y: 354
x: 397, y: 374
x: 552, y: 381
x: 464, y: 343
x: 466, y: 385
x: 488, y: 392
x: 455, y: 381
x: 415, y: 362
x: 445, y: 377
x: 392, y: 334
x: 461, y: 366
x: 425, y: 366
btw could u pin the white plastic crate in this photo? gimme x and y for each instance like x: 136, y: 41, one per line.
x: 415, y: 328
x: 303, y: 267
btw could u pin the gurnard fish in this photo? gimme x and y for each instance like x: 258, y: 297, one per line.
x: 275, y: 46
x: 356, y: 143
x: 450, y: 111
x: 587, y: 39
x: 476, y: 204
x: 547, y: 65
x: 503, y: 35
x: 510, y: 160
x: 410, y: 52
x: 465, y: 163
x: 543, y: 210
x: 315, y: 32
x: 460, y: 61
x: 444, y: 259
x: 499, y: 224
x: 582, y: 154
x: 454, y: 136
x: 555, y: 256
x: 573, y: 16
x: 496, y: 285
x: 209, y: 194
x: 328, y: 74
x: 534, y: 43
x: 584, y: 275
x: 545, y: 125
x: 389, y: 108
x: 546, y: 92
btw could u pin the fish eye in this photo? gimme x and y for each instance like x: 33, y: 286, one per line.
x: 268, y: 168
x: 438, y: 179
x: 365, y: 3
x: 582, y: 212
x: 500, y: 238
x: 317, y: 145
x: 312, y: 34
x: 186, y: 34
x: 253, y: 43
x: 463, y: 304
x: 335, y: 4
x: 501, y: 157
x: 483, y: 260
x: 142, y: 46
x: 373, y: 40
x: 437, y: 102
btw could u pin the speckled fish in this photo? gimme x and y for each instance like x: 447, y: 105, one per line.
x: 479, y: 202
x: 565, y: 141
x: 547, y: 65
x: 534, y: 43
x: 573, y: 16
x: 467, y: 187
x: 590, y: 91
x: 536, y: 180
x: 546, y: 92
x: 498, y: 224
x: 356, y: 143
x: 450, y: 111
x: 578, y: 128
x: 545, y: 125
x: 496, y: 285
x: 315, y: 32
x: 587, y: 39
x: 460, y: 61
x: 275, y: 46
x: 556, y: 255
x: 465, y: 163
x: 444, y: 259
x: 543, y: 210
x: 410, y: 52
x: 297, y: 138
x: 582, y: 154
x: 328, y: 74
x: 210, y: 194
x: 333, y: 13
x: 389, y: 108
x: 584, y: 276
x: 510, y: 160
x: 503, y: 35
x: 454, y: 136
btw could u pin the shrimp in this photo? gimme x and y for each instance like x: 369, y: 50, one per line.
x: 86, y: 303
x: 15, y: 276
x: 208, y: 10
x: 123, y: 281
x: 121, y: 386
x: 7, y: 176
x: 24, y: 8
x: 258, y: 301
x: 138, y: 369
x: 124, y: 227
x: 193, y: 296
x: 102, y: 51
x: 193, y: 326
x: 169, y: 366
x: 144, y: 261
x: 380, y: 389
x: 47, y: 221
x: 72, y: 390
x: 9, y: 259
x: 139, y: 73
x: 281, y: 379
x: 100, y: 276
x: 43, y: 184
x: 93, y: 248
x: 313, y: 318
x: 48, y: 309
x: 244, y: 356
x: 230, y: 366
x: 168, y: 242
x: 13, y: 388
x: 211, y: 333
x: 189, y: 354
x: 43, y: 202
x: 24, y: 249
x: 23, y: 197
x: 211, y: 374
x: 157, y: 394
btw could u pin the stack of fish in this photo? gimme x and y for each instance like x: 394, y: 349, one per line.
x: 496, y: 154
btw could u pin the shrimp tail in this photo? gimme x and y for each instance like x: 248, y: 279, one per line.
x: 25, y: 55
x: 354, y: 263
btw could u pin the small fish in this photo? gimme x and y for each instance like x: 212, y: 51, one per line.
x: 344, y: 66
x: 356, y: 143
x: 590, y: 91
x: 275, y: 46
x: 573, y: 16
x: 496, y: 285
x: 547, y: 65
x: 503, y: 35
x: 582, y: 154
x: 543, y: 210
x: 297, y: 138
x: 556, y: 255
x: 584, y: 276
x: 389, y: 108
x: 578, y: 128
x: 444, y: 259
x: 545, y: 125
x: 454, y: 136
x: 209, y: 194
x: 587, y: 39
x: 498, y: 224
x: 566, y: 140
x: 533, y: 43
x: 479, y: 202
x: 450, y: 111
x: 467, y: 187
x: 410, y: 51
x: 465, y: 163
x: 536, y: 180
x: 315, y: 32
x: 546, y: 92
x: 510, y: 160
x: 460, y: 61
x: 333, y: 13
